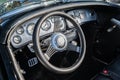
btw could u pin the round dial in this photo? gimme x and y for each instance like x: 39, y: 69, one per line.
x: 20, y: 30
x: 30, y: 28
x: 17, y: 39
x: 46, y: 26
x: 58, y: 22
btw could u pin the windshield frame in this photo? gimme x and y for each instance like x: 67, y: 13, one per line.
x: 15, y: 4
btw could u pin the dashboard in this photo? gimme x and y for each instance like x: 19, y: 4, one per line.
x: 23, y: 35
x: 18, y: 26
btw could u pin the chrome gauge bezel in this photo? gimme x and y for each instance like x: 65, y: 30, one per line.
x: 17, y: 31
x: 30, y: 25
x: 17, y: 36
x: 46, y: 25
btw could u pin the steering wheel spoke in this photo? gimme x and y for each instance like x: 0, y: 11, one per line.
x: 49, y: 52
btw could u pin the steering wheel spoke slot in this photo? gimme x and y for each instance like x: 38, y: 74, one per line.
x: 50, y: 52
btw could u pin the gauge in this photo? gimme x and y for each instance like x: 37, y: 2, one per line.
x: 83, y: 15
x: 76, y: 13
x: 59, y: 25
x: 56, y: 19
x: 58, y: 22
x: 46, y: 25
x: 20, y: 30
x: 30, y: 28
x: 17, y: 39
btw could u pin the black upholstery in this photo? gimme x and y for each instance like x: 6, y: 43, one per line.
x: 102, y: 77
x: 113, y: 71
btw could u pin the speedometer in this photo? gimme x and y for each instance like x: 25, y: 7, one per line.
x: 46, y: 25
x: 30, y: 28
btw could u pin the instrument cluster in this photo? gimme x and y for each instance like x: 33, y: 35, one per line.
x: 23, y: 35
x: 82, y: 16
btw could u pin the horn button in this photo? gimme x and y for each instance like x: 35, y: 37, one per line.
x: 59, y: 41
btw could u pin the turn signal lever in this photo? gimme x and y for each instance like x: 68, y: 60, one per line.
x: 116, y: 22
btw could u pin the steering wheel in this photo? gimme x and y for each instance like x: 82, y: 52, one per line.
x: 59, y: 42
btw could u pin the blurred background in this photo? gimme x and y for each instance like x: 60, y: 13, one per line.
x: 8, y: 5
x: 2, y: 1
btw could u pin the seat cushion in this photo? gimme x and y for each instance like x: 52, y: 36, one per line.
x: 113, y: 71
x: 115, y: 66
x: 102, y: 77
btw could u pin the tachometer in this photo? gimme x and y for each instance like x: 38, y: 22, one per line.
x: 30, y: 28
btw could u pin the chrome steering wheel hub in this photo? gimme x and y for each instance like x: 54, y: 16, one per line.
x: 59, y: 41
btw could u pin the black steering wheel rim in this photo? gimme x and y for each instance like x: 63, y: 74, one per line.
x: 39, y: 52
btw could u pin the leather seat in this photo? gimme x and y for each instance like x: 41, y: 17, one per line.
x: 102, y: 77
x: 113, y: 71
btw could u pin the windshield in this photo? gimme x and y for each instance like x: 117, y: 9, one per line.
x: 8, y: 5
